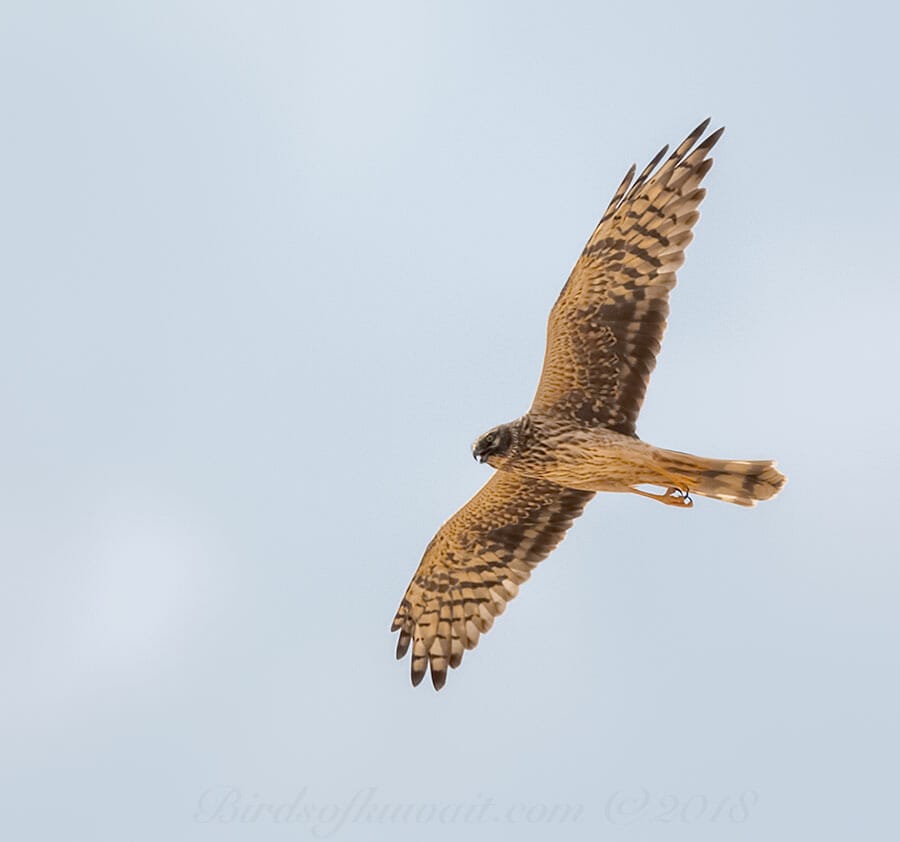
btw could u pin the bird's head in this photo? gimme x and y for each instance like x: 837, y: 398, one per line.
x: 494, y: 444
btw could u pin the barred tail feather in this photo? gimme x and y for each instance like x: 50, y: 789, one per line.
x: 732, y: 480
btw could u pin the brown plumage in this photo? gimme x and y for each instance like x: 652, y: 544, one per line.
x: 475, y: 564
x: 578, y: 438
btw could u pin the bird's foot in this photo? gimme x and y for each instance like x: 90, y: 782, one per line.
x: 679, y: 497
x: 674, y: 496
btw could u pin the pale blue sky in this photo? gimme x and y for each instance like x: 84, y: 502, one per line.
x: 269, y: 268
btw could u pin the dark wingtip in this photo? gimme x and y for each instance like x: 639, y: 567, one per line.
x: 701, y: 128
x: 658, y: 157
x: 438, y: 678
x: 711, y: 141
x: 403, y: 644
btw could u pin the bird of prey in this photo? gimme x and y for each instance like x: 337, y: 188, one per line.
x: 579, y: 436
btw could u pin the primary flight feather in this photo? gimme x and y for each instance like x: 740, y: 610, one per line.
x: 578, y: 438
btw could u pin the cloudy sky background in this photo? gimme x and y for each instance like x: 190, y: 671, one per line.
x: 269, y: 268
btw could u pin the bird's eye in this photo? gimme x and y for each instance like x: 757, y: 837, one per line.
x: 489, y: 438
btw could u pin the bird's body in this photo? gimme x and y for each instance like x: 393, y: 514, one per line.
x: 598, y: 459
x: 579, y: 435
x: 573, y: 456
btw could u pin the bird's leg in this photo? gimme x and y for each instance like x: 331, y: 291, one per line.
x: 673, y: 497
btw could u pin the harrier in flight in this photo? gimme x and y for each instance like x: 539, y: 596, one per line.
x: 579, y: 437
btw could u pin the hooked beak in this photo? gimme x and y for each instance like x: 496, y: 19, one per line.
x: 478, y: 457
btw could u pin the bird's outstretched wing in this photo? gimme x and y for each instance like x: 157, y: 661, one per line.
x: 605, y: 329
x: 475, y: 564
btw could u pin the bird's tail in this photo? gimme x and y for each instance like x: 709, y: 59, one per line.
x: 731, y: 480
